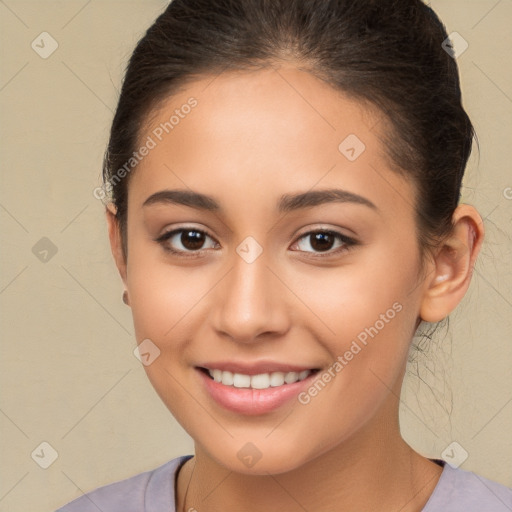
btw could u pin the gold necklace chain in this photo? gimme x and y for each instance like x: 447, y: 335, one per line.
x: 188, y: 485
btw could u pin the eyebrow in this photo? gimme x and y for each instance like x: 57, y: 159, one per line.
x: 286, y: 203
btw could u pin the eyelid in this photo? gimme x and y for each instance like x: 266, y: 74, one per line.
x: 166, y: 234
x: 325, y: 229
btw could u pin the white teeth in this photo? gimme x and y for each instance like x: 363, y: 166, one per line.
x: 291, y: 377
x: 227, y: 378
x: 241, y: 381
x: 260, y: 381
x: 303, y: 374
x: 276, y: 379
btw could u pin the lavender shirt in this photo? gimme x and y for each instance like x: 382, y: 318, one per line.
x: 153, y: 491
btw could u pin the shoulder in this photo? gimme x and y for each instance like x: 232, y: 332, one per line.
x: 463, y: 491
x: 146, y: 492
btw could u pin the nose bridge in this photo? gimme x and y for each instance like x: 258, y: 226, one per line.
x: 249, y: 302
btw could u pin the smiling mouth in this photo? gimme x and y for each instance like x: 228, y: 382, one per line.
x: 260, y: 381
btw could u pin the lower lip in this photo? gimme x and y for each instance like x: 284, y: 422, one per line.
x: 253, y: 401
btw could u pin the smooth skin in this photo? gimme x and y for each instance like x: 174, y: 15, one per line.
x: 252, y: 138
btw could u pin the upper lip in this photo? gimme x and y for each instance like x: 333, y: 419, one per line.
x: 254, y: 368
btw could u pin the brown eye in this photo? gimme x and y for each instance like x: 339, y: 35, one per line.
x: 185, y: 240
x: 192, y: 240
x: 323, y: 241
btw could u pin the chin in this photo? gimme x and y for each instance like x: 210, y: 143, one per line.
x: 261, y: 457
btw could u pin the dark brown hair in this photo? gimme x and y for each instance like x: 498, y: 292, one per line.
x: 385, y: 53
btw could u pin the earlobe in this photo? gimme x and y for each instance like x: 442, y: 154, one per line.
x: 453, y: 269
x: 114, y: 234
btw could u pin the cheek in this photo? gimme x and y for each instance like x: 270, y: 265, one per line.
x: 371, y: 313
x: 359, y: 296
x: 164, y: 300
x: 162, y: 295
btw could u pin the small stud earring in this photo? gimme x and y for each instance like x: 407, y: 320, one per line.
x: 125, y: 298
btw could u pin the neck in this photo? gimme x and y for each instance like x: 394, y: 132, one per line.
x: 373, y: 470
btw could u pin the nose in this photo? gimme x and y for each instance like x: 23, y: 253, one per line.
x: 250, y: 302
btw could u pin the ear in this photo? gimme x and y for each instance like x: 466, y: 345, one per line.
x: 454, y: 262
x: 116, y: 246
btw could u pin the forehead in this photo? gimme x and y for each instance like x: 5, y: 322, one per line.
x: 267, y: 132
x: 274, y: 107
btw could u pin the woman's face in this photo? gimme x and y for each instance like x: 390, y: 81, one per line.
x: 283, y: 159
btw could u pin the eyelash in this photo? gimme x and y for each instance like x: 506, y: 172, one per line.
x: 348, y: 243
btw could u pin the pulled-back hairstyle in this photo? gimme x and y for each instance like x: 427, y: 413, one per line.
x: 384, y: 53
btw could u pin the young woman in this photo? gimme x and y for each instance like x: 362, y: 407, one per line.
x: 283, y: 181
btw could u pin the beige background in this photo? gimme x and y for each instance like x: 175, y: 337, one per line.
x: 68, y: 373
